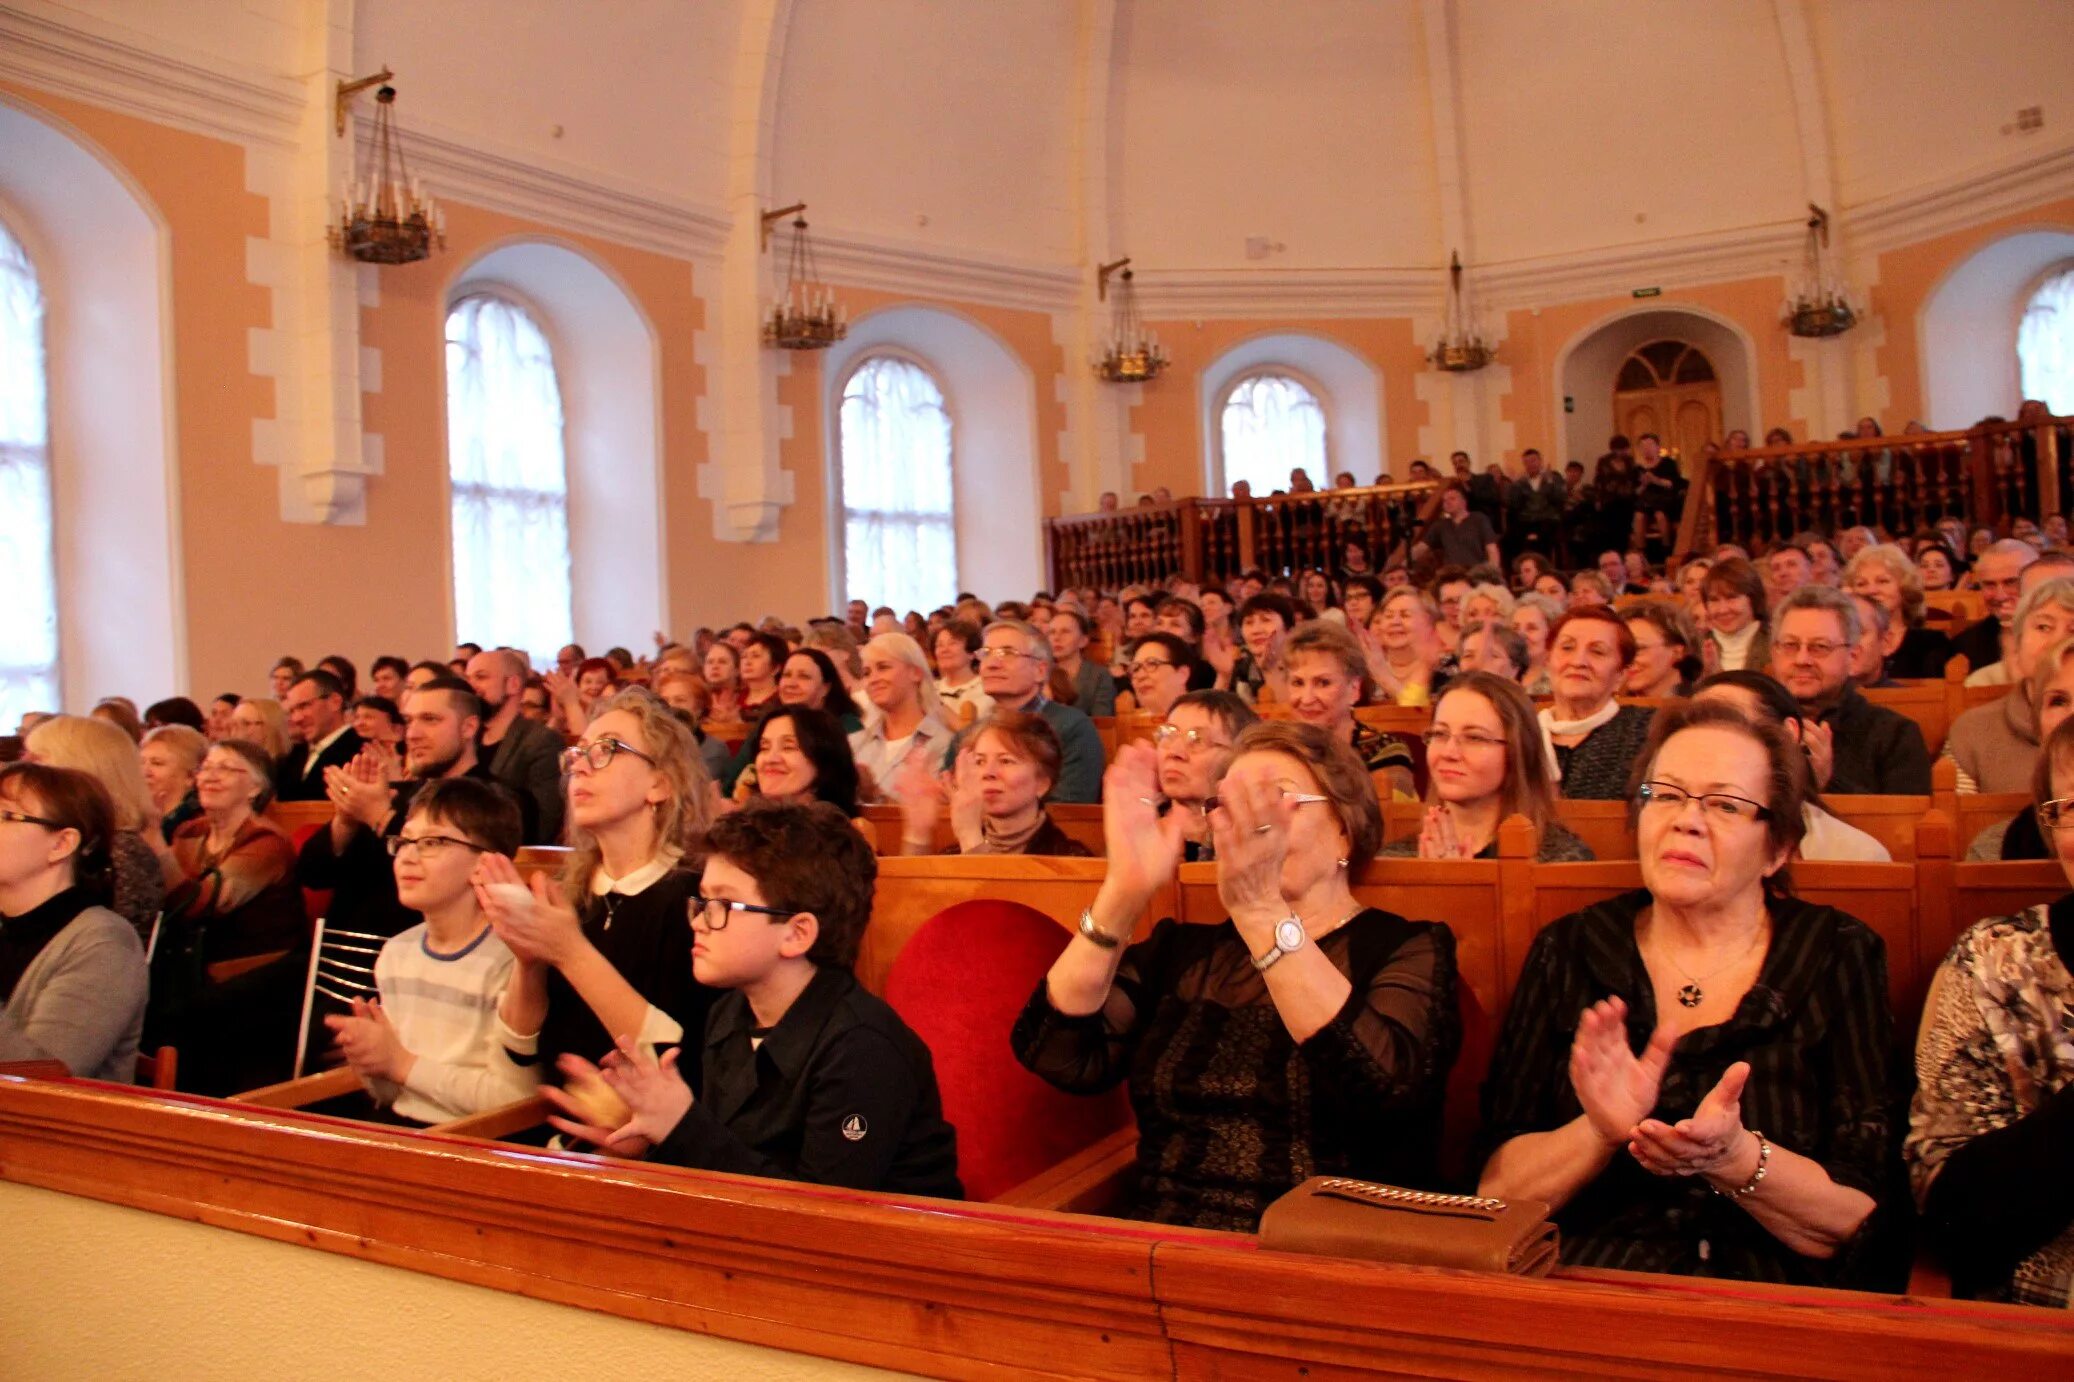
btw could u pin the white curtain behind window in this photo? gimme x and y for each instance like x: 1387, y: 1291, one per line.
x: 510, y: 481
x: 28, y: 584
x: 2045, y: 344
x: 899, y: 535
x: 1272, y: 424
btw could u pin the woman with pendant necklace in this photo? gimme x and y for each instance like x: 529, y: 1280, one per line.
x: 1694, y: 1075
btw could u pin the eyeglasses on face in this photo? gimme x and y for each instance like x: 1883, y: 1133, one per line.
x: 598, y: 753
x: 1817, y: 648
x: 998, y: 654
x: 2057, y: 814
x: 714, y: 913
x: 1293, y: 798
x: 430, y: 846
x: 24, y: 818
x: 1191, y: 739
x: 1722, y: 806
x: 1149, y: 664
x: 1439, y: 738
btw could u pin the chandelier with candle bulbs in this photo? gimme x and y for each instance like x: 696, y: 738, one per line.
x: 1132, y: 354
x: 1818, y: 304
x: 387, y: 218
x: 1462, y: 345
x: 808, y: 317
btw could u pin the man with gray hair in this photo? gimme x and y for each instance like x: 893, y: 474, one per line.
x: 1996, y: 574
x: 1014, y: 666
x: 2049, y: 566
x: 1853, y: 745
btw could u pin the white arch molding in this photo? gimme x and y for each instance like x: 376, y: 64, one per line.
x: 1966, y: 330
x: 992, y: 399
x: 1586, y: 366
x: 102, y: 252
x: 606, y: 357
x: 1347, y: 385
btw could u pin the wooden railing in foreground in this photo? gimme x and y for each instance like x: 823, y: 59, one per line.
x: 947, y: 1289
x: 1987, y: 475
x: 1216, y: 539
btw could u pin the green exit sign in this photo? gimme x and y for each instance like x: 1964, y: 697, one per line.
x: 1649, y: 292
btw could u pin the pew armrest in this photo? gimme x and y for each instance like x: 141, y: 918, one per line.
x: 491, y: 1124
x: 1091, y: 1181
x: 310, y: 1089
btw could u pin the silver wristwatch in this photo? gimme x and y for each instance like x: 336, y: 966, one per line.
x: 1289, y: 937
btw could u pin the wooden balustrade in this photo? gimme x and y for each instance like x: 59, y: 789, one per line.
x: 1986, y: 475
x: 1215, y: 540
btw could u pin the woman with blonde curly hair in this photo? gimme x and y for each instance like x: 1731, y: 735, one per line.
x: 106, y: 753
x: 607, y: 953
x: 1883, y: 574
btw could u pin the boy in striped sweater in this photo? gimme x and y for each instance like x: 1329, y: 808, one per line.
x: 428, y: 1049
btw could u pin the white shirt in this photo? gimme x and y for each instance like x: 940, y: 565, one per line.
x: 1735, y: 647
x: 309, y: 765
x: 1828, y: 838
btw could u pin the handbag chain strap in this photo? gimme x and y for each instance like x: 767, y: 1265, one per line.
x: 1391, y: 1194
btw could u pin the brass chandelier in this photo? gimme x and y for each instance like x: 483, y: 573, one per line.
x: 1132, y: 354
x: 387, y: 218
x: 1818, y: 304
x: 1462, y: 346
x: 808, y: 317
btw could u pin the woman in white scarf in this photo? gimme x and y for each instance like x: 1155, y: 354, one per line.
x: 1592, y: 739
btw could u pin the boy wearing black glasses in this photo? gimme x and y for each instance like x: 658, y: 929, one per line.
x: 806, y: 1075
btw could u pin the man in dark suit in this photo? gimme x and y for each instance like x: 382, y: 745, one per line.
x: 1534, y: 509
x: 522, y: 754
x: 316, y: 706
x: 1854, y: 746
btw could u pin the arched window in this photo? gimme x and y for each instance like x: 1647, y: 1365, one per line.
x: 2045, y: 343
x: 900, y: 544
x: 509, y: 478
x: 29, y: 611
x: 1272, y: 424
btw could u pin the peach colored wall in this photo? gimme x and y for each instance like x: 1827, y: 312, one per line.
x: 1909, y: 276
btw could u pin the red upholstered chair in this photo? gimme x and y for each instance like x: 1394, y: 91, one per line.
x: 960, y: 982
x: 315, y: 901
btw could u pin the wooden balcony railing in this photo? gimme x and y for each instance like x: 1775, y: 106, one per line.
x: 1217, y: 539
x: 1988, y: 476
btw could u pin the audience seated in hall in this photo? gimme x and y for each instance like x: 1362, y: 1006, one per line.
x: 1318, y: 1033
x: 2051, y: 692
x: 1992, y: 1124
x: 1638, y: 1119
x: 427, y: 1048
x: 1994, y: 746
x: 1860, y: 747
x: 1592, y: 737
x: 109, y: 756
x: 260, y: 721
x: 72, y: 981
x: 1737, y: 605
x: 522, y: 755
x: 1094, y: 690
x: 1161, y: 666
x: 1254, y: 668
x: 1489, y: 645
x: 1667, y: 649
x: 1883, y: 574
x: 903, y: 715
x: 1879, y: 634
x: 802, y: 754
x: 807, y: 680
x: 1015, y: 664
x: 168, y: 757
x: 1327, y: 680
x: 1997, y: 571
x: 806, y: 1076
x: 1005, y: 768
x: 1404, y: 653
x: 316, y: 708
x: 1194, y: 748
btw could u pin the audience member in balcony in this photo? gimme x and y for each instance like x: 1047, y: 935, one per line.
x: 806, y: 1076
x: 72, y: 978
x: 1534, y: 508
x: 230, y: 960
x: 958, y: 684
x: 1938, y: 564
x: 258, y: 720
x: 1405, y: 649
x: 1256, y: 668
x: 1993, y: 1114
x: 903, y: 718
x: 1161, y: 668
x: 1592, y: 737
x: 1883, y: 574
x: 316, y: 709
x: 1493, y: 647
x: 525, y: 757
x: 168, y: 758
x: 377, y: 720
x: 1590, y: 588
x: 1762, y: 700
x: 1327, y: 680
x: 1667, y: 650
x: 1713, y: 1003
x: 1485, y: 763
x: 1305, y: 1035
x: 1015, y: 664
x: 605, y: 955
x: 1534, y: 618
x: 1871, y: 749
x: 1995, y: 746
x: 1879, y: 634
x: 1736, y: 610
x: 685, y: 693
x: 109, y: 756
x: 994, y: 794
x: 1659, y: 485
x: 1458, y: 536
x: 1998, y: 576
x: 1094, y: 690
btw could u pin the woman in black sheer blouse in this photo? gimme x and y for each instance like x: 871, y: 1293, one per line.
x: 1305, y: 1035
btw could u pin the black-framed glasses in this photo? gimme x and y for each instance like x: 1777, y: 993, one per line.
x: 24, y: 818
x: 1148, y: 664
x: 715, y: 912
x: 1720, y: 806
x: 598, y: 753
x: 430, y: 846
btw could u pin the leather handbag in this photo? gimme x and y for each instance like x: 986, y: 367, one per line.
x: 1333, y: 1216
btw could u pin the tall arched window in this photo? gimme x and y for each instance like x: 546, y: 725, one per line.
x: 1272, y: 424
x: 900, y: 544
x: 510, y: 481
x: 29, y: 608
x: 2045, y: 343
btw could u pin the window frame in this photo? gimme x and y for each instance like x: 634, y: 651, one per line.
x: 15, y: 227
x: 1222, y: 400
x: 2021, y: 308
x: 839, y: 506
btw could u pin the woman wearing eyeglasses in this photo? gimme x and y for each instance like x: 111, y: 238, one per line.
x: 1485, y: 763
x: 1305, y: 1035
x: 1194, y: 747
x: 605, y: 954
x: 1994, y: 1105
x: 235, y: 938
x: 1160, y: 665
x: 1694, y: 1075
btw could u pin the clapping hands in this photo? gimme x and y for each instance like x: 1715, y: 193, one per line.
x: 654, y: 1095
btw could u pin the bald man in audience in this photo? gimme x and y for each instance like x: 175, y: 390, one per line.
x: 1996, y: 575
x: 2047, y: 566
x: 522, y: 754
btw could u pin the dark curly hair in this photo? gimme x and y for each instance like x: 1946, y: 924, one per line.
x: 804, y: 858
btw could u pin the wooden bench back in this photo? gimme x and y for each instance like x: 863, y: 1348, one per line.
x: 294, y: 815
x: 1928, y: 703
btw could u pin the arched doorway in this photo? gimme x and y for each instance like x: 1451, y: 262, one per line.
x: 1589, y: 370
x: 1669, y: 387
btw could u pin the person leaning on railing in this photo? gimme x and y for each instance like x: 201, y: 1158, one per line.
x: 1694, y: 1074
x: 1993, y: 1117
x: 1304, y: 1035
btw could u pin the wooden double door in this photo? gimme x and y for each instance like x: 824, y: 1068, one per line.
x: 1670, y: 388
